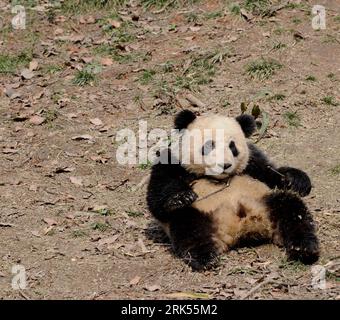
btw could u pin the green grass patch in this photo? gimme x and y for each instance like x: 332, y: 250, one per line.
x: 277, y: 97
x: 145, y: 166
x: 330, y: 100
x: 336, y: 170
x: 213, y: 15
x: 116, y: 54
x: 100, y: 226
x: 134, y: 214
x: 263, y: 68
x: 147, y: 76
x: 9, y: 64
x: 192, y: 17
x: 79, y: 234
x: 166, y: 3
x: 258, y: 7
x: 292, y: 118
x: 330, y: 39
x: 105, y: 212
x: 278, y: 46
x: 311, y: 78
x: 87, y: 75
x: 25, y: 3
x: 81, y: 6
x: 293, y: 265
x: 235, y: 9
x: 201, y: 69
x: 296, y: 20
x: 52, y: 68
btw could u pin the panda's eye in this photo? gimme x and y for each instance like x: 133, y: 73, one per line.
x: 208, y: 147
x: 233, y: 148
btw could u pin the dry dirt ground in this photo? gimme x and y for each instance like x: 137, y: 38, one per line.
x: 75, y: 219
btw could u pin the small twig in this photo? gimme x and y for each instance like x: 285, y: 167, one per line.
x: 279, y: 173
x: 118, y: 185
x: 141, y: 183
x: 6, y: 225
x: 24, y: 295
x: 250, y: 292
x: 195, y: 101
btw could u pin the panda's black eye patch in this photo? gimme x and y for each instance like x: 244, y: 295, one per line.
x: 233, y: 148
x: 208, y: 147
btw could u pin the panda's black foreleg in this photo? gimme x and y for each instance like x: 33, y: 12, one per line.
x: 295, y: 180
x: 292, y: 219
x: 191, y: 235
x: 286, y: 178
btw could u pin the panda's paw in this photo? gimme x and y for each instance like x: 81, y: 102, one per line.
x: 202, y: 258
x: 307, y: 251
x: 180, y: 200
x: 296, y: 180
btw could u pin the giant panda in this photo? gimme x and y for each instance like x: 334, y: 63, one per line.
x: 247, y: 200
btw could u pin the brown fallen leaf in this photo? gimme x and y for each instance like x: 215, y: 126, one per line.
x: 64, y: 169
x: 195, y: 29
x: 142, y: 246
x: 33, y: 187
x: 77, y: 181
x: 48, y: 230
x: 37, y: 120
x: 36, y: 234
x: 72, y: 38
x: 11, y: 93
x: 134, y: 281
x: 71, y: 115
x: 245, y: 14
x: 114, y: 23
x: 96, y: 122
x: 33, y: 65
x: 100, y: 159
x: 58, y: 31
x: 87, y: 59
x: 9, y: 151
x: 50, y: 222
x: 186, y: 295
x: 152, y: 288
x: 106, y: 61
x: 83, y: 137
x: 27, y: 74
x: 108, y: 240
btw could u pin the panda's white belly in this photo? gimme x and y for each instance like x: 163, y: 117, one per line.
x: 237, y: 209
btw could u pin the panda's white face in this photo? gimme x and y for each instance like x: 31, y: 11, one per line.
x: 214, y: 145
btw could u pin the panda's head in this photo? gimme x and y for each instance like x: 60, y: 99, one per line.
x: 214, y: 145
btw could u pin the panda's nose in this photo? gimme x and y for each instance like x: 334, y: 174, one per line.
x: 226, y: 166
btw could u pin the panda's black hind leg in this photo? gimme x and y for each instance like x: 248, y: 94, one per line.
x: 295, y: 225
x: 191, y: 234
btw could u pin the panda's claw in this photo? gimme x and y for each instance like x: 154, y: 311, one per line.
x: 180, y: 200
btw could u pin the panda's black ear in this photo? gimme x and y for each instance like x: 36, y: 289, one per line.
x: 247, y: 123
x: 183, y: 119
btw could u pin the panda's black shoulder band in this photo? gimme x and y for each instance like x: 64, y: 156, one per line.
x: 247, y: 123
x: 183, y: 119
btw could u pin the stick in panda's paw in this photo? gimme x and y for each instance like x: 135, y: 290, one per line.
x: 296, y: 180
